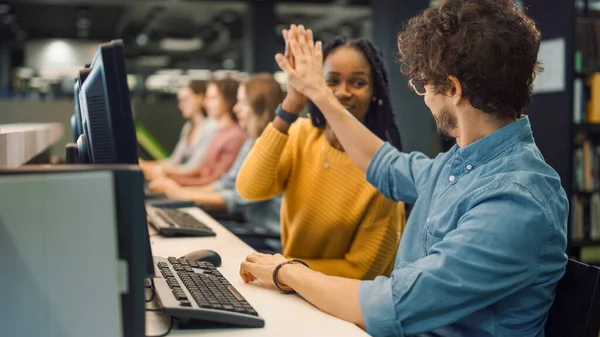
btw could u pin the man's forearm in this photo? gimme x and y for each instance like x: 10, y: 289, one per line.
x: 334, y: 295
x: 358, y: 141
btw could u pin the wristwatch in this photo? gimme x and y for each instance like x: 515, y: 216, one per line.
x: 286, y: 116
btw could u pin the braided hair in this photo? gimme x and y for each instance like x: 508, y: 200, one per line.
x: 380, y: 116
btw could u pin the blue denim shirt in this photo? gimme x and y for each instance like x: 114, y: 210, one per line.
x: 484, y: 246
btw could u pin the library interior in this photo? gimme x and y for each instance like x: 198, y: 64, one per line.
x: 300, y: 168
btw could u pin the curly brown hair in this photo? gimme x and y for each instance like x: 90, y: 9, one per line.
x: 489, y: 45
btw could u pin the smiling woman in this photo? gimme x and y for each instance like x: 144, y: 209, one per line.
x: 330, y: 216
x: 357, y: 66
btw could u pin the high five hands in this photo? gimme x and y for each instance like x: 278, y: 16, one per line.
x: 303, y: 65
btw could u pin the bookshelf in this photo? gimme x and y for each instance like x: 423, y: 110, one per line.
x: 584, y: 225
x: 558, y: 118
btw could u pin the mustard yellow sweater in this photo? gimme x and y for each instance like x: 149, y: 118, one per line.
x: 331, y: 217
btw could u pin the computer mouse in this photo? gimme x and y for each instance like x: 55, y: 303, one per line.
x: 204, y: 255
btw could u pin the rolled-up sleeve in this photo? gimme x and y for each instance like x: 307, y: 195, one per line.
x: 377, y: 306
x: 494, y: 251
x: 398, y: 175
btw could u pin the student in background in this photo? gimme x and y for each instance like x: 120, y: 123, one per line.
x: 331, y: 217
x: 484, y: 247
x: 195, y: 136
x: 257, y: 100
x: 224, y: 146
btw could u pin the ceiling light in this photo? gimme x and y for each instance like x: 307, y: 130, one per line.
x: 229, y: 64
x: 153, y: 61
x: 25, y: 72
x: 4, y: 8
x: 141, y: 40
x: 169, y: 72
x: 83, y: 23
x: 181, y: 45
x: 199, y: 74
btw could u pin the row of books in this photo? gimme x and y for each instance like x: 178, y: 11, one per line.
x: 586, y: 95
x: 587, y: 44
x: 585, y: 215
x: 586, y: 167
x: 586, y: 99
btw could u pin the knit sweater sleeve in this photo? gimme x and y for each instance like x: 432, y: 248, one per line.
x: 374, y: 246
x: 267, y: 167
x: 208, y: 174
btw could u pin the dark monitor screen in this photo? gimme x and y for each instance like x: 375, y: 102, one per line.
x: 108, y: 129
x: 76, y: 126
x: 107, y: 121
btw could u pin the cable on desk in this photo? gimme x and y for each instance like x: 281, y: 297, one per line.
x: 152, y: 290
x: 168, y: 331
x: 154, y: 309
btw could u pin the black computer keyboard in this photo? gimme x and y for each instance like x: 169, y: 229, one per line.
x: 197, y: 290
x: 176, y: 223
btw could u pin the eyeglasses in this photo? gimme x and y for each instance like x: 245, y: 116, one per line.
x: 418, y: 86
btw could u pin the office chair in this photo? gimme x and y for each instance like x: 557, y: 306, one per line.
x: 576, y: 308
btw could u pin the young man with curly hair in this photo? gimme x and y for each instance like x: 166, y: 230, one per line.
x: 484, y: 246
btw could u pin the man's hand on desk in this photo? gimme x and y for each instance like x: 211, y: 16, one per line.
x: 336, y: 296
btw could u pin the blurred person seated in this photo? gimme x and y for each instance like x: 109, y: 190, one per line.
x: 257, y: 100
x: 224, y: 146
x: 194, y: 138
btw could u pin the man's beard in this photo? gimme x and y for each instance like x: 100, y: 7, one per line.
x: 445, y: 123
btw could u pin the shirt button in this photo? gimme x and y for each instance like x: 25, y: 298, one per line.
x: 427, y: 219
x: 451, y: 178
x: 469, y: 167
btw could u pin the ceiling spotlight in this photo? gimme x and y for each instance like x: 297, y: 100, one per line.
x: 4, y: 9
x: 229, y: 64
x: 83, y: 23
x: 141, y: 40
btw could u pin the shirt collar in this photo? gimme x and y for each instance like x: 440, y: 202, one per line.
x: 485, y: 149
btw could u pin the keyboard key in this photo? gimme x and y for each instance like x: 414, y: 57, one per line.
x: 179, y: 294
x: 185, y: 304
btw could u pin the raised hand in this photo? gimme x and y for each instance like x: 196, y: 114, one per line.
x: 294, y: 101
x: 305, y: 73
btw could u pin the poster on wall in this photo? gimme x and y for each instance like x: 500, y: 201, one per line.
x: 552, y: 58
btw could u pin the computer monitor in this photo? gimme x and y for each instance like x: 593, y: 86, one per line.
x: 108, y: 130
x: 76, y: 127
x: 98, y: 196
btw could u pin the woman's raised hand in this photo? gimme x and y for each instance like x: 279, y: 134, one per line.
x: 304, y: 68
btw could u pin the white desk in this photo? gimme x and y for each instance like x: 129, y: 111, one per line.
x: 284, y: 315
